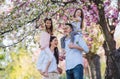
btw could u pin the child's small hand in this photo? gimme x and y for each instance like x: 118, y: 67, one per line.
x: 42, y: 26
x: 61, y: 58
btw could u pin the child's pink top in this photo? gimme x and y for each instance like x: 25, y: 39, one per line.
x: 44, y: 39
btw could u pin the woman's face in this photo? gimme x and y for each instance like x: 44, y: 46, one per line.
x: 48, y: 24
x: 54, y: 42
x: 78, y: 13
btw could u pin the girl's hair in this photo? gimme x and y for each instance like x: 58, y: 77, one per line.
x: 82, y: 16
x: 51, y: 28
x: 56, y: 51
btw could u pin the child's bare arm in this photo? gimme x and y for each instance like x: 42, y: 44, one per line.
x: 42, y: 25
x: 75, y: 19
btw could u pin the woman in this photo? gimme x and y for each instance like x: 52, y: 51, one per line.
x: 49, y: 71
x: 45, y: 34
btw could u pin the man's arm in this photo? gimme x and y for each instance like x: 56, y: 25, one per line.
x: 82, y: 43
x: 79, y: 44
x: 75, y: 46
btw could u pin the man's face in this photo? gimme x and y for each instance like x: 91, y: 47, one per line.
x: 67, y: 29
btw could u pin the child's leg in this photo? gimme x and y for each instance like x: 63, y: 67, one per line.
x: 72, y: 34
x: 63, y: 42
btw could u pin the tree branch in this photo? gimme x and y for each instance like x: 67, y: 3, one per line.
x: 19, y: 40
x: 16, y: 8
x: 97, y: 2
x: 65, y: 3
x: 1, y: 33
x: 35, y: 19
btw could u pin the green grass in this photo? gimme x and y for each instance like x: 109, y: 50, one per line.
x: 63, y: 76
x: 2, y: 74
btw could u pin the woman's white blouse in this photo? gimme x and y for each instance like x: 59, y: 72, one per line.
x: 43, y: 61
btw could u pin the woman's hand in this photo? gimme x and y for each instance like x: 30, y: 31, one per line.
x: 45, y: 74
x: 59, y: 70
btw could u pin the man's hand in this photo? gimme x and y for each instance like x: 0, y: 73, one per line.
x: 75, y: 46
x: 72, y: 46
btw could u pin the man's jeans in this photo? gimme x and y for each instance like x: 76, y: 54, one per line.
x: 75, y: 73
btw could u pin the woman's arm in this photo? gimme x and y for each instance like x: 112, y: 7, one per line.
x: 45, y: 72
x: 47, y: 67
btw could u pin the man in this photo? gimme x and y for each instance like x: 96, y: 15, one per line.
x: 74, y: 59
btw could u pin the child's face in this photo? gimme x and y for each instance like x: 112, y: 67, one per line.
x: 78, y: 13
x: 48, y: 24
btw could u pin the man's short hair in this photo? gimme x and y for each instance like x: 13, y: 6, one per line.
x: 70, y: 25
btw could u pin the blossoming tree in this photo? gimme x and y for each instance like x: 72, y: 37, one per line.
x: 20, y: 21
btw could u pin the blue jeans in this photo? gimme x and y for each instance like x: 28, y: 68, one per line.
x: 75, y: 73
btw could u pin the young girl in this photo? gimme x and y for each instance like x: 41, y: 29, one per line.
x: 46, y: 32
x: 42, y: 64
x: 77, y: 26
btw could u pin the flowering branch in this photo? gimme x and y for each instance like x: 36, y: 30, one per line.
x: 64, y: 3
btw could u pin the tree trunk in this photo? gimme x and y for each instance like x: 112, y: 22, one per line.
x: 92, y: 68
x: 109, y: 40
x: 94, y: 62
x: 112, y: 65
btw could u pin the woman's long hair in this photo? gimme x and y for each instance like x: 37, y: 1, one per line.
x: 56, y: 52
x: 82, y: 16
x: 51, y: 28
